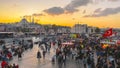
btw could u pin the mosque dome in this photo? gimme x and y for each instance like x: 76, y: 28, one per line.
x: 24, y: 21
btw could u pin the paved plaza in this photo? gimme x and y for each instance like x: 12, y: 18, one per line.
x: 29, y: 60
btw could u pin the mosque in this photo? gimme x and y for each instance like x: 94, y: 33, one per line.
x: 23, y: 26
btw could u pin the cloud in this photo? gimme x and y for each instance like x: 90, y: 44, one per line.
x: 36, y: 14
x: 97, y: 1
x: 91, y: 15
x: 84, y: 11
x: 97, y: 10
x: 15, y: 5
x: 54, y: 11
x: 73, y: 5
x: 70, y: 8
x: 73, y: 18
x: 105, y: 12
x: 113, y: 0
x: 33, y: 15
x: 27, y: 16
x: 87, y: 16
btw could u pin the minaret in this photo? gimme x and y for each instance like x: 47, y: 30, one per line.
x: 32, y: 19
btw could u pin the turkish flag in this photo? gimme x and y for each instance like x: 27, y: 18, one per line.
x: 108, y: 33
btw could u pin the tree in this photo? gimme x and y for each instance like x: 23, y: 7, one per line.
x: 97, y: 30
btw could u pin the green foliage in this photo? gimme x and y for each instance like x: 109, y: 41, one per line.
x: 97, y: 30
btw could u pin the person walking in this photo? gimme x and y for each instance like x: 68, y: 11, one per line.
x: 38, y: 54
x: 89, y: 62
x: 60, y: 60
x: 19, y: 54
x: 85, y: 61
x: 64, y: 59
x: 53, y: 59
x: 44, y: 52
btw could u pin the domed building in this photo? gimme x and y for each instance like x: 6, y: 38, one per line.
x: 23, y: 23
x: 26, y: 26
x: 22, y: 26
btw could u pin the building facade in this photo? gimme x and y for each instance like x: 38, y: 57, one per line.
x: 78, y: 28
x: 82, y: 28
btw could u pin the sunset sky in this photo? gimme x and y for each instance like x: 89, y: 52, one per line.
x: 100, y: 13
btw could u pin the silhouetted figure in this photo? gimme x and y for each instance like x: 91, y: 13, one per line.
x: 38, y: 55
x: 44, y: 52
x: 19, y: 54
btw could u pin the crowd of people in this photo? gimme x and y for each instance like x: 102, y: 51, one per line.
x: 89, y: 52
x: 8, y: 53
x: 5, y: 64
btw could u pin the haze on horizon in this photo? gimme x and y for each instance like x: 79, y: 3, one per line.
x: 100, y: 13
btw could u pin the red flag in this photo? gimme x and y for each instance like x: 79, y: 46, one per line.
x: 108, y: 33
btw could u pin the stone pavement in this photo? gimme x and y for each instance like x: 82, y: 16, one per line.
x: 29, y: 60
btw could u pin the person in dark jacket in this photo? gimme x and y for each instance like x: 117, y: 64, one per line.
x: 19, y: 54
x: 44, y: 52
x: 60, y: 60
x: 38, y: 55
